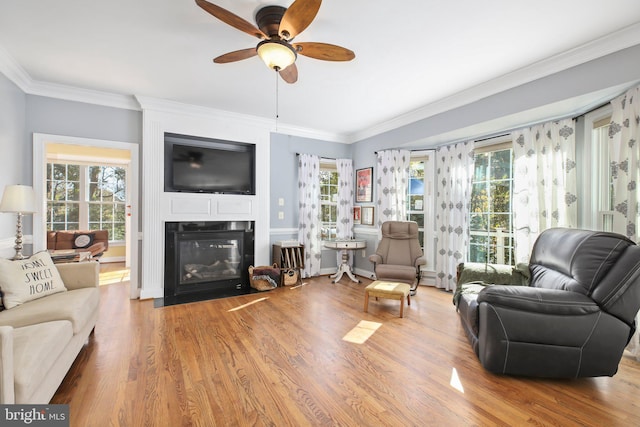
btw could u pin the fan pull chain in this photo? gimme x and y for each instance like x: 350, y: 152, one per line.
x: 277, y: 99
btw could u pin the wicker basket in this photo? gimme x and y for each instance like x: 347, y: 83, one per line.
x: 264, y: 278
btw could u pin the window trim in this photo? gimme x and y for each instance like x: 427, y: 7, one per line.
x: 428, y: 233
x: 327, y: 165
x: 588, y: 210
x: 492, y: 145
x: 84, y: 204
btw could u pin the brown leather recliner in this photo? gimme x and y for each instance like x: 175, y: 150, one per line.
x: 399, y: 256
x: 572, y: 319
x: 94, y: 241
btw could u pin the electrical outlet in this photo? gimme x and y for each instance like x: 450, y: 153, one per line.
x: 280, y: 215
x: 280, y: 201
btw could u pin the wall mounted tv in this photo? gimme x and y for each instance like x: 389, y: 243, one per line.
x: 202, y: 165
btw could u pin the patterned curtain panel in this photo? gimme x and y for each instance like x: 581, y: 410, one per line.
x: 624, y: 134
x: 392, y: 179
x: 544, y: 182
x: 309, y: 212
x: 454, y: 171
x: 344, y: 225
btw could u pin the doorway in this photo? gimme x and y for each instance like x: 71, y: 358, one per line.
x: 83, y: 150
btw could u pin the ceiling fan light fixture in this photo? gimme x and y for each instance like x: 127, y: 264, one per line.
x: 276, y: 54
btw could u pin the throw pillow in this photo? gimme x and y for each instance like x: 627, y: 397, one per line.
x: 83, y: 240
x: 28, y: 279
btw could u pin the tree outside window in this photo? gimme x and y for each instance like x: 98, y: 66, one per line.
x: 63, y: 197
x: 107, y: 200
x: 81, y: 197
x: 491, y: 226
x: 328, y: 201
x: 415, y: 199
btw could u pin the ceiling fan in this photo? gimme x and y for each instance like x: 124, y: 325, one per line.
x: 276, y: 27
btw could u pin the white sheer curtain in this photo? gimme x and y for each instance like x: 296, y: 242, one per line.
x: 544, y: 182
x: 392, y: 178
x: 454, y: 172
x: 624, y: 134
x: 309, y: 212
x: 344, y: 225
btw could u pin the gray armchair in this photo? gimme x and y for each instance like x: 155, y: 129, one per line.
x: 399, y: 256
x: 572, y: 318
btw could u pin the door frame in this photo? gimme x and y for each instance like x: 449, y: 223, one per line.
x: 40, y: 142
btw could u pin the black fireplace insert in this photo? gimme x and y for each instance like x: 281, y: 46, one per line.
x: 205, y: 260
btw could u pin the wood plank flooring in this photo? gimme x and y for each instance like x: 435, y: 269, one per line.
x: 279, y: 359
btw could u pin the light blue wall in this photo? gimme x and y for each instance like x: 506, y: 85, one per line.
x: 608, y: 71
x: 77, y: 119
x: 15, y: 160
x: 284, y: 172
x: 21, y: 115
x: 284, y: 183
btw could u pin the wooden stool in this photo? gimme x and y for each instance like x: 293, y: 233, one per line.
x: 388, y: 290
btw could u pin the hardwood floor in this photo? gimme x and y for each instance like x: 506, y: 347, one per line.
x: 113, y: 272
x: 279, y: 359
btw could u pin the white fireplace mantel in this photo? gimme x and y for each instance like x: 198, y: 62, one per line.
x: 159, y: 207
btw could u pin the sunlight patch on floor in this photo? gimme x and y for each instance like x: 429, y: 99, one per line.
x: 362, y: 332
x: 240, y: 307
x: 455, y: 381
x: 114, y: 276
x: 297, y: 286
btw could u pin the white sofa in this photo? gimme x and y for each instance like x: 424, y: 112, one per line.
x: 40, y: 339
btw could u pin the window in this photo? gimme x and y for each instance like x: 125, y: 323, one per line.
x: 81, y: 197
x: 328, y: 200
x: 416, y: 196
x: 603, y: 199
x: 63, y: 197
x: 491, y: 226
x: 420, y: 201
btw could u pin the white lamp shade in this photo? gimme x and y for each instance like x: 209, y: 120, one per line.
x: 18, y: 198
x: 276, y: 54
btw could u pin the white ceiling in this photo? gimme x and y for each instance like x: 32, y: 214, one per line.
x: 409, y: 54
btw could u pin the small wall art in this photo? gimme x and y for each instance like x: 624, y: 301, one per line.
x: 357, y: 215
x: 367, y: 215
x: 364, y: 185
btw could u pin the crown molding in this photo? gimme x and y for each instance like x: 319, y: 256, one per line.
x: 13, y: 71
x: 622, y: 39
x: 88, y: 96
x: 174, y: 107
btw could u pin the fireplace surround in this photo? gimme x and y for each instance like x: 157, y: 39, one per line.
x: 207, y: 259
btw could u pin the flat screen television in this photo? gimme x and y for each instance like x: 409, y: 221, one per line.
x: 199, y: 165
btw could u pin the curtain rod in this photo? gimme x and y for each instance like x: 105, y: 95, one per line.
x: 417, y: 149
x: 321, y: 157
x: 593, y: 109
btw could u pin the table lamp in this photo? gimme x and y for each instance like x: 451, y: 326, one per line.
x: 19, y: 199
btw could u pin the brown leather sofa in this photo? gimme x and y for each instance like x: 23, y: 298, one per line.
x: 572, y: 315
x: 94, y: 241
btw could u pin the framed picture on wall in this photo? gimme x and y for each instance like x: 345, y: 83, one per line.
x: 364, y: 185
x: 357, y: 215
x: 367, y: 215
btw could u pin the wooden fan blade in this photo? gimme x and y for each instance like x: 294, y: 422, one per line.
x: 289, y: 74
x: 237, y: 55
x: 298, y: 17
x: 229, y: 18
x: 324, y: 51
